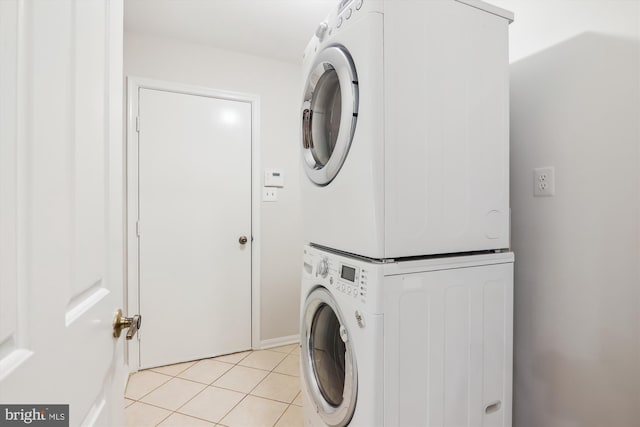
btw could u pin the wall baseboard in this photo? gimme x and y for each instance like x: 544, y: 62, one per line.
x: 277, y: 342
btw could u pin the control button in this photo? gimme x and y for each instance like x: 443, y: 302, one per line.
x: 348, y: 291
x: 339, y: 23
x: 358, y: 4
x: 348, y: 13
x: 331, y: 280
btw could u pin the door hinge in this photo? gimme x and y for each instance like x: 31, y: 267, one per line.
x: 138, y: 228
x: 137, y: 123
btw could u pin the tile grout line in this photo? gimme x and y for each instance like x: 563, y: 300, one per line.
x: 154, y: 389
x: 210, y: 385
x: 179, y: 378
x: 281, y: 415
x: 163, y: 420
x: 190, y: 416
x: 166, y: 375
x: 171, y: 412
x: 260, y: 382
x: 272, y: 372
x: 175, y: 376
x: 299, y: 391
x: 246, y: 394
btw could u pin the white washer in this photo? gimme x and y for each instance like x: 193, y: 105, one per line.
x: 426, y: 342
x: 404, y: 134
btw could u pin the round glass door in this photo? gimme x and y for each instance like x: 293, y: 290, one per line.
x: 329, y: 114
x: 328, y: 361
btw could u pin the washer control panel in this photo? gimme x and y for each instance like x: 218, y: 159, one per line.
x: 348, y: 279
x: 336, y: 273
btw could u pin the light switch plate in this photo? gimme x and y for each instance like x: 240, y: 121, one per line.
x: 273, y: 178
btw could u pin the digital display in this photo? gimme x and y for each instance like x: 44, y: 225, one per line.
x: 348, y: 273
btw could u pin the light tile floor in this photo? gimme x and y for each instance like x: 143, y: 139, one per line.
x: 252, y: 388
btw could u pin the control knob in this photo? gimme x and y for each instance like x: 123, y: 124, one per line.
x: 323, y: 267
x: 321, y: 30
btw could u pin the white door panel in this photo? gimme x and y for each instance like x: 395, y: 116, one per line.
x: 61, y: 212
x: 194, y: 204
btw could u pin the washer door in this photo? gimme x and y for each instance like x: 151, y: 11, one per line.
x: 329, y: 113
x: 328, y: 361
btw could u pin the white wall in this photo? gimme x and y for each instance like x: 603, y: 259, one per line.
x: 278, y: 85
x: 542, y: 23
x: 575, y: 105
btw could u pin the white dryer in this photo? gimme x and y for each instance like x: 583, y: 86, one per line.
x: 404, y: 134
x: 426, y: 342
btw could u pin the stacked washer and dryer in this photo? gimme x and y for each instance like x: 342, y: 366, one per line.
x: 407, y: 288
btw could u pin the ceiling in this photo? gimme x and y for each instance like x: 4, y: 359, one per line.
x: 278, y: 29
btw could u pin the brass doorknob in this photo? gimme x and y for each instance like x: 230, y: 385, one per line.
x: 120, y: 322
x: 243, y: 240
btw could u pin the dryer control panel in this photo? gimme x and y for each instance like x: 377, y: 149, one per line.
x: 337, y: 18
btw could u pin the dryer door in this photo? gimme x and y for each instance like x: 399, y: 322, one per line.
x: 329, y: 114
x: 328, y: 361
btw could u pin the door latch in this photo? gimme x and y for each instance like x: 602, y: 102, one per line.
x: 120, y: 322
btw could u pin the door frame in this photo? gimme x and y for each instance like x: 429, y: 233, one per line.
x: 132, y: 284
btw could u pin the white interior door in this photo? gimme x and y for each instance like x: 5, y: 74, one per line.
x: 61, y: 248
x: 194, y: 159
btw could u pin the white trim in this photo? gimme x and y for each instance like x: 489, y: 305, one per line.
x: 13, y: 361
x: 487, y: 7
x: 277, y: 342
x: 134, y: 84
x: 126, y: 374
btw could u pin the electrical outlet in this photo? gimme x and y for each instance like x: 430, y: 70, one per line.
x: 544, y: 182
x: 269, y: 194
